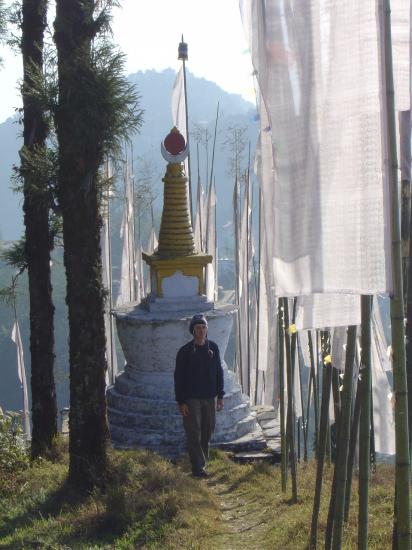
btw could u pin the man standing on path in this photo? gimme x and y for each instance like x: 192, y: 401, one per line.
x: 198, y: 381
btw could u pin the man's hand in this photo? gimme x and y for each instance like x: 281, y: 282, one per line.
x: 219, y: 405
x: 184, y: 409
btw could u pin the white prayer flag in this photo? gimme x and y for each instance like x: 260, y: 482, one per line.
x: 199, y: 229
x: 267, y: 319
x: 338, y: 351
x: 322, y: 88
x: 179, y: 104
x: 139, y: 274
x: 211, y: 245
x: 243, y: 285
x: 179, y: 111
x: 322, y: 311
x: 383, y: 418
x: 127, y: 290
x: 111, y: 355
x: 152, y: 245
x: 21, y: 372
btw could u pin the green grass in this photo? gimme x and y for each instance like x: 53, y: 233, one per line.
x: 150, y: 503
x: 287, y: 526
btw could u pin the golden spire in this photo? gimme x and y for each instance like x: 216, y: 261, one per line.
x: 176, y: 252
x: 176, y: 232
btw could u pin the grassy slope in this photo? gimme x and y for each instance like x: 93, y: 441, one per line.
x: 150, y: 503
x: 261, y: 517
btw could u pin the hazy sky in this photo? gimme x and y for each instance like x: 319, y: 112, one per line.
x: 149, y: 32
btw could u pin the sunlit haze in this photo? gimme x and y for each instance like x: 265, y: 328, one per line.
x: 149, y: 34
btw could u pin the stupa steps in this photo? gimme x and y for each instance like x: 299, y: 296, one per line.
x: 156, y: 419
x: 115, y: 399
x: 124, y: 437
x: 164, y: 396
x: 138, y: 375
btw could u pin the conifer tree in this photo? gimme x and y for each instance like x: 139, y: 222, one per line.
x: 96, y: 109
x: 38, y: 241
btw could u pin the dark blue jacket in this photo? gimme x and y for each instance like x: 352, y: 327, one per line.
x: 198, y: 372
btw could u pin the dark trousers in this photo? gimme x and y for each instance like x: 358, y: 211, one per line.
x: 199, y: 425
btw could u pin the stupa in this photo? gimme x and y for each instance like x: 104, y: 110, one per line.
x: 141, y: 405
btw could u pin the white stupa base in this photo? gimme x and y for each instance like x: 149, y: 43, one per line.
x: 141, y: 406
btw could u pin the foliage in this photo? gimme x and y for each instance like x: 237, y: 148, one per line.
x: 4, y: 12
x: 235, y: 143
x: 117, y: 112
x: 15, y: 255
x: 13, y: 450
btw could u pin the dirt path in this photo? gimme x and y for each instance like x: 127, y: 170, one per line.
x: 243, y: 521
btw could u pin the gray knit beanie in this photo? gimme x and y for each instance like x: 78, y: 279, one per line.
x: 198, y: 319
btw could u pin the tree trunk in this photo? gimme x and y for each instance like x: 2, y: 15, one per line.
x: 80, y: 155
x: 39, y: 241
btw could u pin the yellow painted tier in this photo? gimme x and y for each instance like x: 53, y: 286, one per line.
x: 190, y: 266
x: 176, y: 232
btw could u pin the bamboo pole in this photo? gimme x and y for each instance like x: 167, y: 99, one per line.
x: 289, y: 380
x: 305, y: 456
x: 402, y: 469
x: 408, y: 350
x: 336, y: 397
x: 259, y: 295
x: 293, y: 341
x: 344, y: 436
x: 214, y: 145
x: 352, y: 450
x: 281, y: 336
x: 183, y: 57
x: 237, y: 273
x: 365, y: 423
x: 331, y: 512
x: 247, y: 288
x: 326, y: 387
x: 315, y: 389
x: 405, y: 161
x: 302, y: 405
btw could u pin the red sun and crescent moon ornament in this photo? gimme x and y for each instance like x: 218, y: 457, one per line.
x: 174, y: 148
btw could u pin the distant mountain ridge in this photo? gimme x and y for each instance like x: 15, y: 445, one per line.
x: 155, y: 90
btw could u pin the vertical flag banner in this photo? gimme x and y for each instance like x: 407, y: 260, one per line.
x: 21, y: 372
x: 179, y: 108
x: 323, y: 311
x: 199, y: 229
x: 127, y: 290
x: 111, y: 356
x: 318, y: 68
x: 179, y: 104
x: 211, y: 245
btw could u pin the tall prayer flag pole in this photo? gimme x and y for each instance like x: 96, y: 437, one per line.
x: 183, y: 56
x: 402, y: 472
